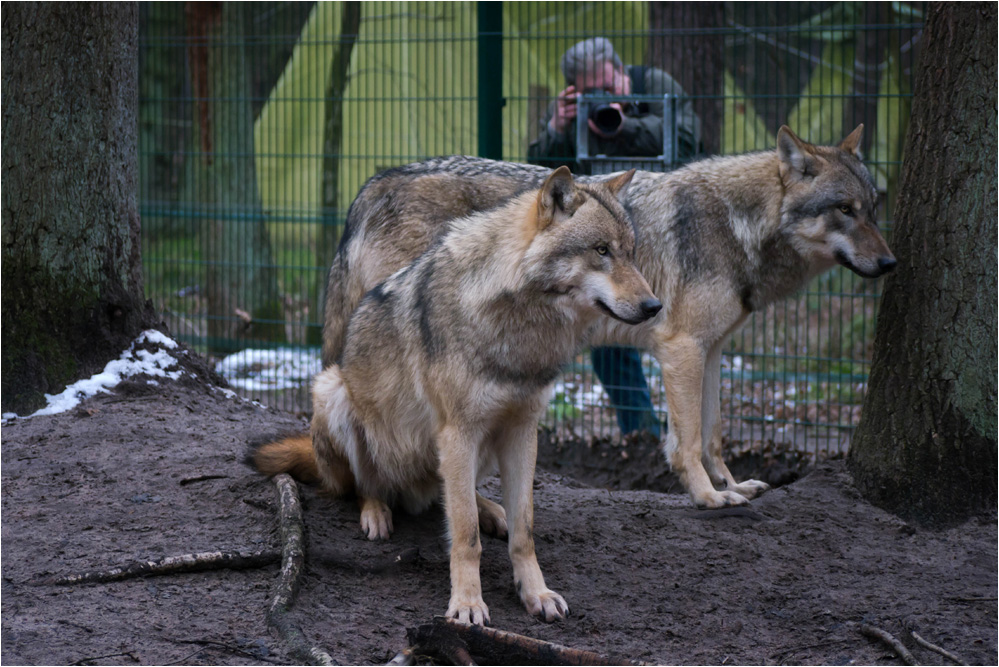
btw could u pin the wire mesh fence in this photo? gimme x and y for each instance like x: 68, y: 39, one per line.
x: 259, y: 123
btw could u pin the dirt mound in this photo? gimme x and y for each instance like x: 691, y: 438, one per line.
x: 156, y: 470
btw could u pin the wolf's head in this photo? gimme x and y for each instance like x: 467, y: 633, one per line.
x: 830, y: 205
x: 585, y: 247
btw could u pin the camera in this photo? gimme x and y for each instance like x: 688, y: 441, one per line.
x: 604, y: 116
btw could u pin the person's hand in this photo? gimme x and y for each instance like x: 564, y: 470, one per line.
x: 608, y: 135
x: 565, y: 110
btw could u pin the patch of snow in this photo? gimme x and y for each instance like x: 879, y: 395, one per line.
x: 157, y: 338
x: 580, y: 399
x: 131, y: 362
x: 270, y: 370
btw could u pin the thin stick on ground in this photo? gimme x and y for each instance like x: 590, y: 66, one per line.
x: 938, y: 649
x: 458, y: 642
x: 890, y: 640
x: 95, y: 658
x: 292, y: 563
x: 405, y: 657
x: 196, y: 562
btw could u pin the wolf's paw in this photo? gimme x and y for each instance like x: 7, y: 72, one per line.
x: 376, y: 519
x: 751, y: 488
x: 714, y: 500
x: 469, y: 610
x: 546, y: 605
x: 492, y: 519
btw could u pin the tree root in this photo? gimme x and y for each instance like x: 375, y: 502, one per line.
x: 291, y: 556
x: 456, y: 643
x: 937, y: 649
x: 292, y: 562
x: 197, y: 562
x: 888, y: 639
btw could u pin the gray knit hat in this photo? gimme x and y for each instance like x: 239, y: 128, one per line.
x: 586, y: 56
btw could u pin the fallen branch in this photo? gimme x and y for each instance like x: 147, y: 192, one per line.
x: 457, y: 642
x: 405, y: 658
x: 130, y: 654
x: 198, y: 562
x: 937, y: 649
x: 201, y: 478
x: 889, y: 639
x: 292, y: 562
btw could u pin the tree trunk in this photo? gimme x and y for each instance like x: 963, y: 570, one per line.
x: 72, y: 276
x: 328, y: 237
x: 242, y: 291
x: 696, y: 60
x: 926, y: 444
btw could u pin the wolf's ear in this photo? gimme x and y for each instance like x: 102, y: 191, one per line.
x: 558, y: 194
x: 797, y: 159
x: 852, y: 143
x: 619, y: 185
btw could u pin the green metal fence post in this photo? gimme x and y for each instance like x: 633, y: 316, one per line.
x: 490, y: 81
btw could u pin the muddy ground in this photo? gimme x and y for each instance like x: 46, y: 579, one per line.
x: 156, y: 470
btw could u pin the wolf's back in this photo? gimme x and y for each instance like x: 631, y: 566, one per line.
x: 396, y: 215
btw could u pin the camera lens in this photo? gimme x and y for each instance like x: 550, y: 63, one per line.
x: 606, y: 118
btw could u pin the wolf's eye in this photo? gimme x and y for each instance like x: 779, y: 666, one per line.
x: 602, y: 249
x: 846, y: 209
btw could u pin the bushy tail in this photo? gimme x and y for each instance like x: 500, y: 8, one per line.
x: 293, y: 455
x: 296, y: 456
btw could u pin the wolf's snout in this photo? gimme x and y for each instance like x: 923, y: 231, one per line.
x: 650, y: 307
x: 886, y: 264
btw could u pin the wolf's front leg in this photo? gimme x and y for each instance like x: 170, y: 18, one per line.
x: 683, y: 363
x: 517, y: 453
x: 458, y: 461
x: 711, y: 452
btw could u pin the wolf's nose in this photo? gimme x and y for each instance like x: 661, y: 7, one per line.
x: 650, y: 307
x: 886, y: 264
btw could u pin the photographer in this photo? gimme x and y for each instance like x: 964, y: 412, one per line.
x: 593, y: 67
x: 635, y: 130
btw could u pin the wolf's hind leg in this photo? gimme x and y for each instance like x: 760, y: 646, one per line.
x: 720, y: 474
x: 711, y: 451
x: 492, y: 517
x: 376, y: 518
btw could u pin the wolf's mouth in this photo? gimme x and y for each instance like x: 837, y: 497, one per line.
x: 607, y: 310
x: 845, y: 261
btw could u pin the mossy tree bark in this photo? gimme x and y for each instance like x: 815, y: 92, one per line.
x: 925, y: 448
x: 72, y: 276
x: 241, y: 279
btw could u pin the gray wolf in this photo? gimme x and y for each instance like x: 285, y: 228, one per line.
x: 448, y: 364
x: 716, y: 239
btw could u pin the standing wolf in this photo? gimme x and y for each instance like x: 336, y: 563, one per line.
x: 447, y: 366
x: 717, y: 240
